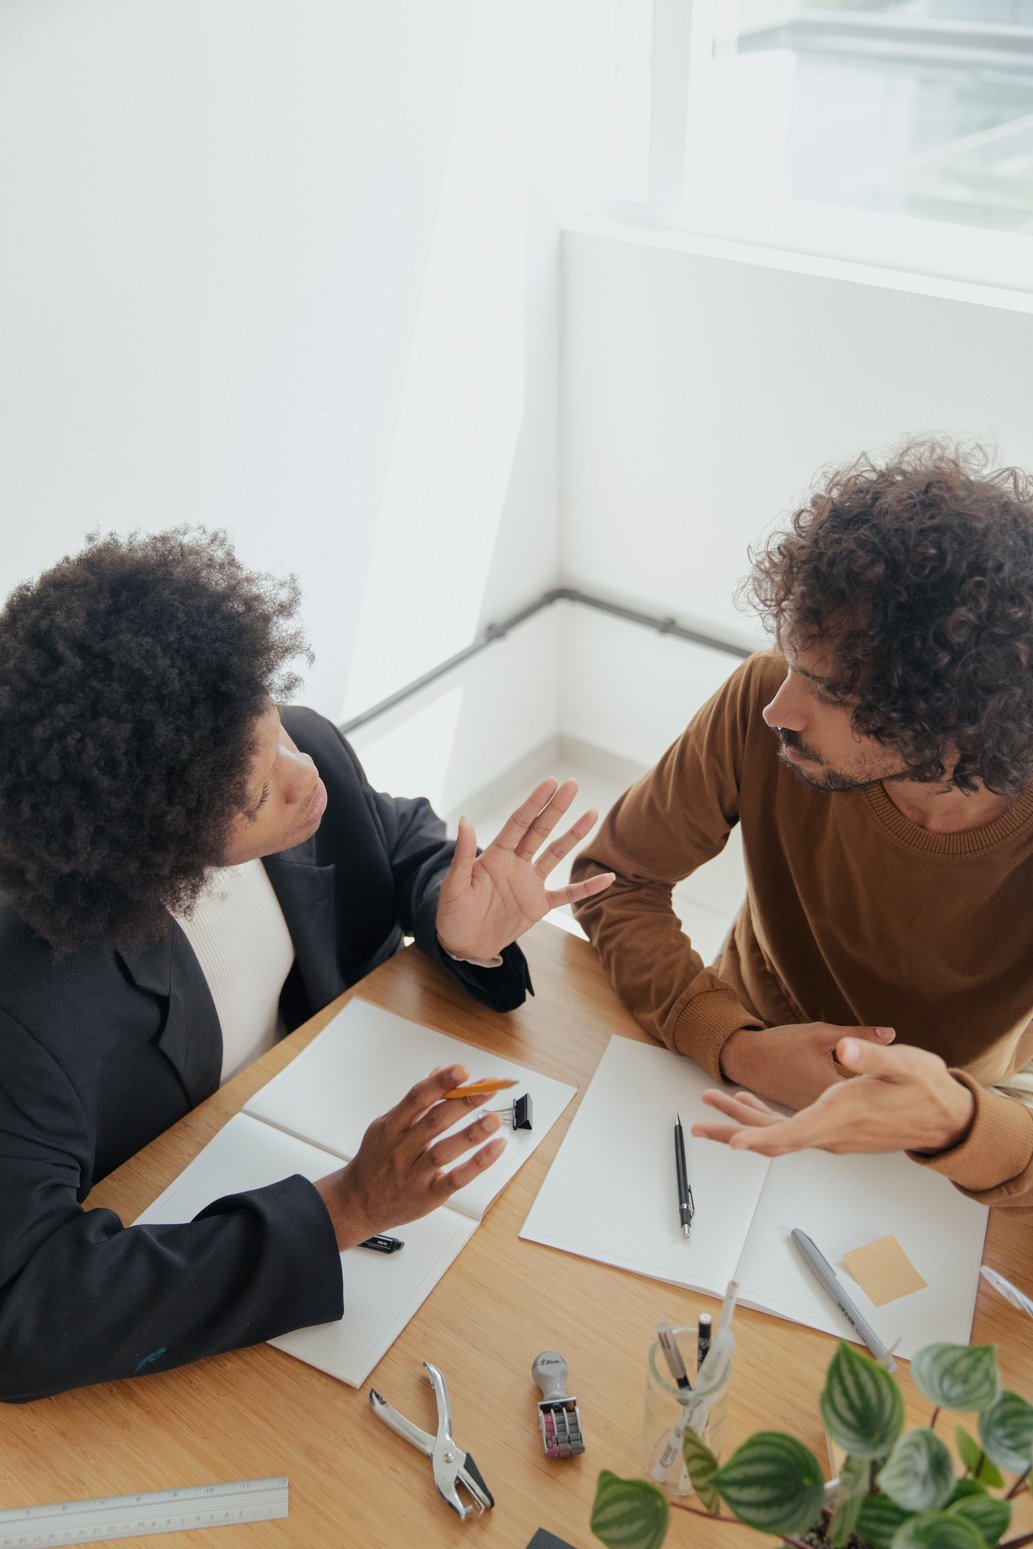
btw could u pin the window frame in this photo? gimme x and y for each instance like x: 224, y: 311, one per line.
x: 684, y: 36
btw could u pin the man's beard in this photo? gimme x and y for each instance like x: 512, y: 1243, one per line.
x: 827, y: 779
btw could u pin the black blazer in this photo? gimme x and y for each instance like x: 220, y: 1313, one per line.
x: 104, y: 1050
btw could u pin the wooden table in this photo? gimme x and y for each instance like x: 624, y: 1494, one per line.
x: 256, y: 1413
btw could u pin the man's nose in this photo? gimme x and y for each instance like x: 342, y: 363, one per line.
x: 785, y: 709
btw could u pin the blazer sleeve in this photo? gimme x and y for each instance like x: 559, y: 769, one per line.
x: 84, y: 1299
x: 419, y: 855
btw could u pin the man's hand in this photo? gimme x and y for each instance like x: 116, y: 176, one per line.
x: 792, y: 1064
x: 900, y: 1099
x: 397, y: 1173
x: 489, y: 900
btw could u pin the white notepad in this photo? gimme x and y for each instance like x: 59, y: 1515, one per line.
x: 312, y: 1117
x: 610, y: 1195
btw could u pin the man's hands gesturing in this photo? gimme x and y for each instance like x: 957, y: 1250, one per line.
x: 793, y: 1064
x: 900, y: 1099
x: 398, y: 1172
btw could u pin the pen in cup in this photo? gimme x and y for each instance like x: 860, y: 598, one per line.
x: 675, y: 1365
x: 703, y: 1338
x: 696, y: 1406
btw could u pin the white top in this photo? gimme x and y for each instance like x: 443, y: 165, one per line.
x: 241, y: 940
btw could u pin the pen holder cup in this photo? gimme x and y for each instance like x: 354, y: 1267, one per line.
x: 668, y: 1407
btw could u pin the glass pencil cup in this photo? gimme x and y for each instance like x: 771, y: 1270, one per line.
x: 669, y: 1409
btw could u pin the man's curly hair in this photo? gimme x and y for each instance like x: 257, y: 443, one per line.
x: 131, y: 677
x: 918, y: 576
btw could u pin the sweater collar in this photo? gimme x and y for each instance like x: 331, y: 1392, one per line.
x: 971, y: 841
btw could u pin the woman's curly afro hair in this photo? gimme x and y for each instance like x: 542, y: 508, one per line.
x: 918, y: 576
x: 131, y: 677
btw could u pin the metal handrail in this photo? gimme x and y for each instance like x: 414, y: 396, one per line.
x: 493, y: 632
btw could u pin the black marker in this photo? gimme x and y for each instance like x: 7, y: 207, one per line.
x: 703, y: 1342
x: 383, y: 1244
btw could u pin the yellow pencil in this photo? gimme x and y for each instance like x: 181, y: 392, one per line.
x: 475, y: 1088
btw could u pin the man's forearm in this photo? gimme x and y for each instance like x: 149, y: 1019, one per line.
x: 656, y: 971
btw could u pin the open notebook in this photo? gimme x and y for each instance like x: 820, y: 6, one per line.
x: 610, y: 1195
x: 312, y: 1117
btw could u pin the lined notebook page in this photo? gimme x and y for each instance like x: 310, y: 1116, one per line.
x: 311, y: 1118
x: 843, y: 1202
x: 610, y: 1194
x: 382, y: 1291
x: 363, y: 1063
x: 243, y: 1155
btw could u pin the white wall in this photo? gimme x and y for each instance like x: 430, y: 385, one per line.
x: 700, y: 396
x: 291, y: 270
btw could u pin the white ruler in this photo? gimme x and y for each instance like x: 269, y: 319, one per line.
x: 133, y: 1516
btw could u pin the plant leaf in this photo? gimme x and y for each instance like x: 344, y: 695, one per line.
x: 853, y: 1482
x: 990, y: 1515
x: 629, y: 1513
x: 773, y: 1483
x: 918, y: 1474
x: 937, y: 1530
x: 702, y: 1466
x: 958, y: 1376
x: 878, y: 1520
x: 861, y: 1404
x: 1006, y: 1432
x: 970, y: 1452
x: 966, y: 1487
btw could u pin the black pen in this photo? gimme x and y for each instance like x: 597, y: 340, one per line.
x: 686, y: 1204
x: 382, y: 1244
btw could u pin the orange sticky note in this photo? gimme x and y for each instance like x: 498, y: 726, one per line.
x: 883, y: 1270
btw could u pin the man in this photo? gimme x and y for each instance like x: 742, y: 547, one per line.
x: 880, y: 766
x: 187, y: 872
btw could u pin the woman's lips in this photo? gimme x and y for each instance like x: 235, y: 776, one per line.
x: 316, y: 807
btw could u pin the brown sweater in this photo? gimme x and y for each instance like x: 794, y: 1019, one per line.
x: 853, y: 915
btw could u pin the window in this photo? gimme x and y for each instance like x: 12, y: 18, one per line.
x: 898, y: 132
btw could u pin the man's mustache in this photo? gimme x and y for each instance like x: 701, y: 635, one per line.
x: 792, y: 739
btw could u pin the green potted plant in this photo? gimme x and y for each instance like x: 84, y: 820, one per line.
x: 897, y: 1489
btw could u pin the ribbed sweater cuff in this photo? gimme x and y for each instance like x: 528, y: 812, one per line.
x: 705, y: 1024
x: 997, y: 1149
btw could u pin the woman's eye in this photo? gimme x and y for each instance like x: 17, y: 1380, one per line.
x: 252, y: 812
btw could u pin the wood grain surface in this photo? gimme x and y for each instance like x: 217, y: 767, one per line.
x: 260, y: 1412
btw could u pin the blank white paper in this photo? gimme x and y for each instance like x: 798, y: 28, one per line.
x: 311, y: 1118
x: 364, y: 1062
x: 610, y: 1195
